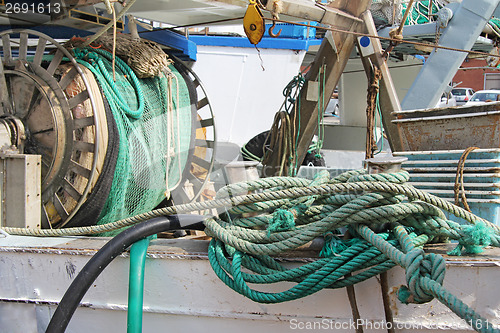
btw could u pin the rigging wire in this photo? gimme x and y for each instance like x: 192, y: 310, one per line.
x: 333, y: 29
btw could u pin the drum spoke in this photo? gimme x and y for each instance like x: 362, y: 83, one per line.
x: 56, y: 61
x: 83, y: 122
x: 59, y: 206
x: 73, y: 192
x: 7, y: 50
x: 40, y: 50
x: 23, y: 46
x: 45, y: 218
x: 35, y: 99
x: 80, y: 170
x: 43, y: 131
x: 84, y: 146
x: 78, y: 99
x: 202, y: 103
x: 68, y: 78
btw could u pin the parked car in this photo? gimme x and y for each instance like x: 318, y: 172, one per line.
x: 462, y: 95
x: 484, y: 96
x: 446, y: 100
x: 332, y: 109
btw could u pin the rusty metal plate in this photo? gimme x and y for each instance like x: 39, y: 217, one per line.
x: 456, y: 132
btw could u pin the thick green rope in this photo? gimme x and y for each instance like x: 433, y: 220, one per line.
x: 336, y: 191
x: 424, y: 276
x: 91, y: 58
x: 319, y: 208
x: 251, y: 242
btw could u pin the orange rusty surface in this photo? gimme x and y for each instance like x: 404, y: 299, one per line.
x: 452, y: 133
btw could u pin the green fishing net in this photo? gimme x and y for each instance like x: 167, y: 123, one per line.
x: 154, y: 121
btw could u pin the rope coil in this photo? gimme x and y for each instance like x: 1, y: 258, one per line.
x: 250, y: 242
x: 413, y: 218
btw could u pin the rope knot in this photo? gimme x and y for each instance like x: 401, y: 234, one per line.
x: 474, y: 239
x: 396, y: 34
x: 334, y: 246
x: 419, y: 267
x: 284, y: 220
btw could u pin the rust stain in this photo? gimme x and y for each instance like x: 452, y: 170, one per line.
x: 393, y: 300
x: 452, y: 133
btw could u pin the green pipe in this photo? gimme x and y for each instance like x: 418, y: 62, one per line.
x: 138, y: 253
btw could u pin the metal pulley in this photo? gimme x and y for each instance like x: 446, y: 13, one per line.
x: 253, y: 23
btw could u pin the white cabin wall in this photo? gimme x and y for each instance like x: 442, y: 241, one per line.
x: 244, y: 97
x: 344, y: 143
x: 354, y: 85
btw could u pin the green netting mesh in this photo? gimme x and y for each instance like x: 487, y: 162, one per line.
x: 421, y: 12
x: 495, y: 25
x: 153, y: 117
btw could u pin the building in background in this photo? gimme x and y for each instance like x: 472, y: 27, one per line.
x: 476, y: 74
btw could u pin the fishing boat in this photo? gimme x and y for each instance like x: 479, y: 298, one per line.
x: 124, y: 206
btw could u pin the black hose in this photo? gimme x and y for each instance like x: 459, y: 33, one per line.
x: 71, y: 299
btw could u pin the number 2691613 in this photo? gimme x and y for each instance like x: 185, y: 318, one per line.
x: 40, y: 8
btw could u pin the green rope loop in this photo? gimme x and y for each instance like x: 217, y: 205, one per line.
x: 293, y: 86
x: 91, y: 58
x: 296, y: 221
x: 320, y: 207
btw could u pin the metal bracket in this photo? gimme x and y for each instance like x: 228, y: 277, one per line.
x: 5, y: 104
x: 329, y: 38
x: 312, y: 91
x: 20, y: 189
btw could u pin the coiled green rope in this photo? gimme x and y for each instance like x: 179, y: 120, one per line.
x: 250, y: 242
x: 91, y: 58
x: 319, y: 208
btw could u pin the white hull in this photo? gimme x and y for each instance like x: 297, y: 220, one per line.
x: 183, y: 294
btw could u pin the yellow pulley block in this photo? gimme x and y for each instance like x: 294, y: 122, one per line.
x: 253, y: 23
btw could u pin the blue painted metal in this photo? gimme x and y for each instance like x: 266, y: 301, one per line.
x: 464, y: 28
x: 435, y: 172
x: 186, y: 49
x: 265, y: 43
x: 416, y: 30
x: 174, y: 40
x: 292, y: 38
x: 182, y: 47
x: 289, y: 30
